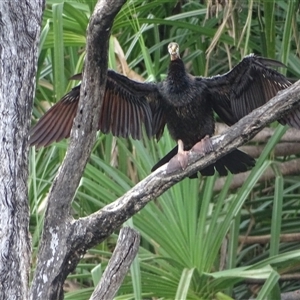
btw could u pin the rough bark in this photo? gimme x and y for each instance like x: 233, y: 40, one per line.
x: 123, y: 256
x: 64, y: 239
x: 292, y: 135
x: 20, y: 24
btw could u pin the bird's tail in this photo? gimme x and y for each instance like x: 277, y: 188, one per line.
x: 235, y: 162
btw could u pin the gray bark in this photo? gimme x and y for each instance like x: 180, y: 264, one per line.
x: 123, y: 256
x: 292, y: 135
x: 20, y: 24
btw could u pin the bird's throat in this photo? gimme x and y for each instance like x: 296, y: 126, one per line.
x: 177, y: 83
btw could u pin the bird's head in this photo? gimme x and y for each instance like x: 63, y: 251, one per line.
x: 173, y: 49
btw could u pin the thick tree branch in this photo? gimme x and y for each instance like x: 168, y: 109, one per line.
x: 54, y: 263
x: 118, y: 265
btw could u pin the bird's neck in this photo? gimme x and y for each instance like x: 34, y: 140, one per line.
x: 176, y: 70
x: 177, y: 85
x: 178, y: 80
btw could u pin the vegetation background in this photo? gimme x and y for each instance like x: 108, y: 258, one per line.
x: 192, y: 245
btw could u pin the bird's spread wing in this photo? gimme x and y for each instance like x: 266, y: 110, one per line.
x: 246, y: 87
x: 127, y: 105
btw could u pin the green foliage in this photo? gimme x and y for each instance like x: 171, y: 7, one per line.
x: 185, y: 231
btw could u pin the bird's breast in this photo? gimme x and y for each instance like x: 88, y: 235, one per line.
x: 178, y: 94
x: 190, y: 122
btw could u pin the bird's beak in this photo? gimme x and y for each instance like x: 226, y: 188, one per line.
x: 174, y: 51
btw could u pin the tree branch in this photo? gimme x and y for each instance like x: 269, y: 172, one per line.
x: 292, y: 135
x: 281, y: 149
x: 118, y: 265
x: 54, y: 263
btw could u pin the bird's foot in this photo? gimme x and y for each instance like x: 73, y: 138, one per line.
x: 204, y: 146
x: 179, y: 161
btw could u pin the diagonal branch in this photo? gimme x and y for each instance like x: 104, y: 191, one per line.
x: 86, y: 122
x: 100, y: 225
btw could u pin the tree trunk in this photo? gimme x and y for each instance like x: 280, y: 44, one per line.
x: 20, y: 23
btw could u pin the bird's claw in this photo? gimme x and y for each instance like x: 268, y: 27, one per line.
x: 204, y: 146
x: 179, y: 161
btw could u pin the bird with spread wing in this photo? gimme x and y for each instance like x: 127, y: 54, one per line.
x: 182, y: 102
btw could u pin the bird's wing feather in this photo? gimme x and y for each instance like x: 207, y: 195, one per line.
x: 127, y: 105
x: 246, y: 87
x: 150, y: 92
x: 57, y: 122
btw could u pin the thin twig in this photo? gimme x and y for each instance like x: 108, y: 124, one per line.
x: 264, y: 239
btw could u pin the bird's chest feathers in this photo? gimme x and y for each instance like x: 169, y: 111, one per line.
x: 179, y: 93
x: 179, y: 88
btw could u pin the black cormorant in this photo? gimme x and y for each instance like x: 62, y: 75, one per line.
x: 183, y: 102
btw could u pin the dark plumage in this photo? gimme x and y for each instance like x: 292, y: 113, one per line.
x: 184, y: 102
